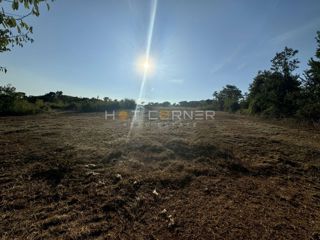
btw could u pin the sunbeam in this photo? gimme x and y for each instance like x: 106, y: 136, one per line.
x: 146, y: 68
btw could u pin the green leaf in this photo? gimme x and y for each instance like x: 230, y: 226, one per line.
x: 26, y: 4
x: 15, y: 5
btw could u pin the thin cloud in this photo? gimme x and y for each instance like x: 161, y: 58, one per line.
x: 296, y: 32
x: 177, y: 80
x: 241, y: 66
x: 217, y: 67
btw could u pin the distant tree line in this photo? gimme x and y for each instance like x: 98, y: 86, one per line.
x: 187, y: 104
x: 17, y: 103
x: 278, y: 92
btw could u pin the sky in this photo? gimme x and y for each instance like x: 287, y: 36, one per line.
x: 91, y: 48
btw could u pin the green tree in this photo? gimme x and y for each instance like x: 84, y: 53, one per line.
x: 275, y: 92
x: 14, y: 30
x: 313, y: 73
x: 227, y: 99
x: 310, y: 104
x: 12, y: 102
x: 285, y: 62
x: 218, y: 101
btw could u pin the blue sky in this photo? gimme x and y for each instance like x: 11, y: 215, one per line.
x: 90, y: 48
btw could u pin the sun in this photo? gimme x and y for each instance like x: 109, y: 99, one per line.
x: 145, y: 65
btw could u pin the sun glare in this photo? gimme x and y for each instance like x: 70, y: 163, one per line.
x: 145, y: 65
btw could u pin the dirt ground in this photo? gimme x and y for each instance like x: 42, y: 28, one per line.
x: 78, y: 176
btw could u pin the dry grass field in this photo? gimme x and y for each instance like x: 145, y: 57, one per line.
x: 75, y: 176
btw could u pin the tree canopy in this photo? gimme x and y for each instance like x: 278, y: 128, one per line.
x: 273, y: 91
x: 310, y: 102
x: 228, y: 99
x: 14, y: 30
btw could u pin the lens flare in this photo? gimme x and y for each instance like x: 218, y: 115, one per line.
x: 145, y: 65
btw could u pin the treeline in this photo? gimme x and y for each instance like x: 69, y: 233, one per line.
x: 17, y: 103
x: 278, y: 92
x: 187, y: 104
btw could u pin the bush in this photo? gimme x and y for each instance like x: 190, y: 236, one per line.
x: 310, y: 112
x: 22, y: 107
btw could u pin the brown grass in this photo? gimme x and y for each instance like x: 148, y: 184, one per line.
x: 75, y: 176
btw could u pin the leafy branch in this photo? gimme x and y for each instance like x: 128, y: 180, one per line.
x: 14, y: 30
